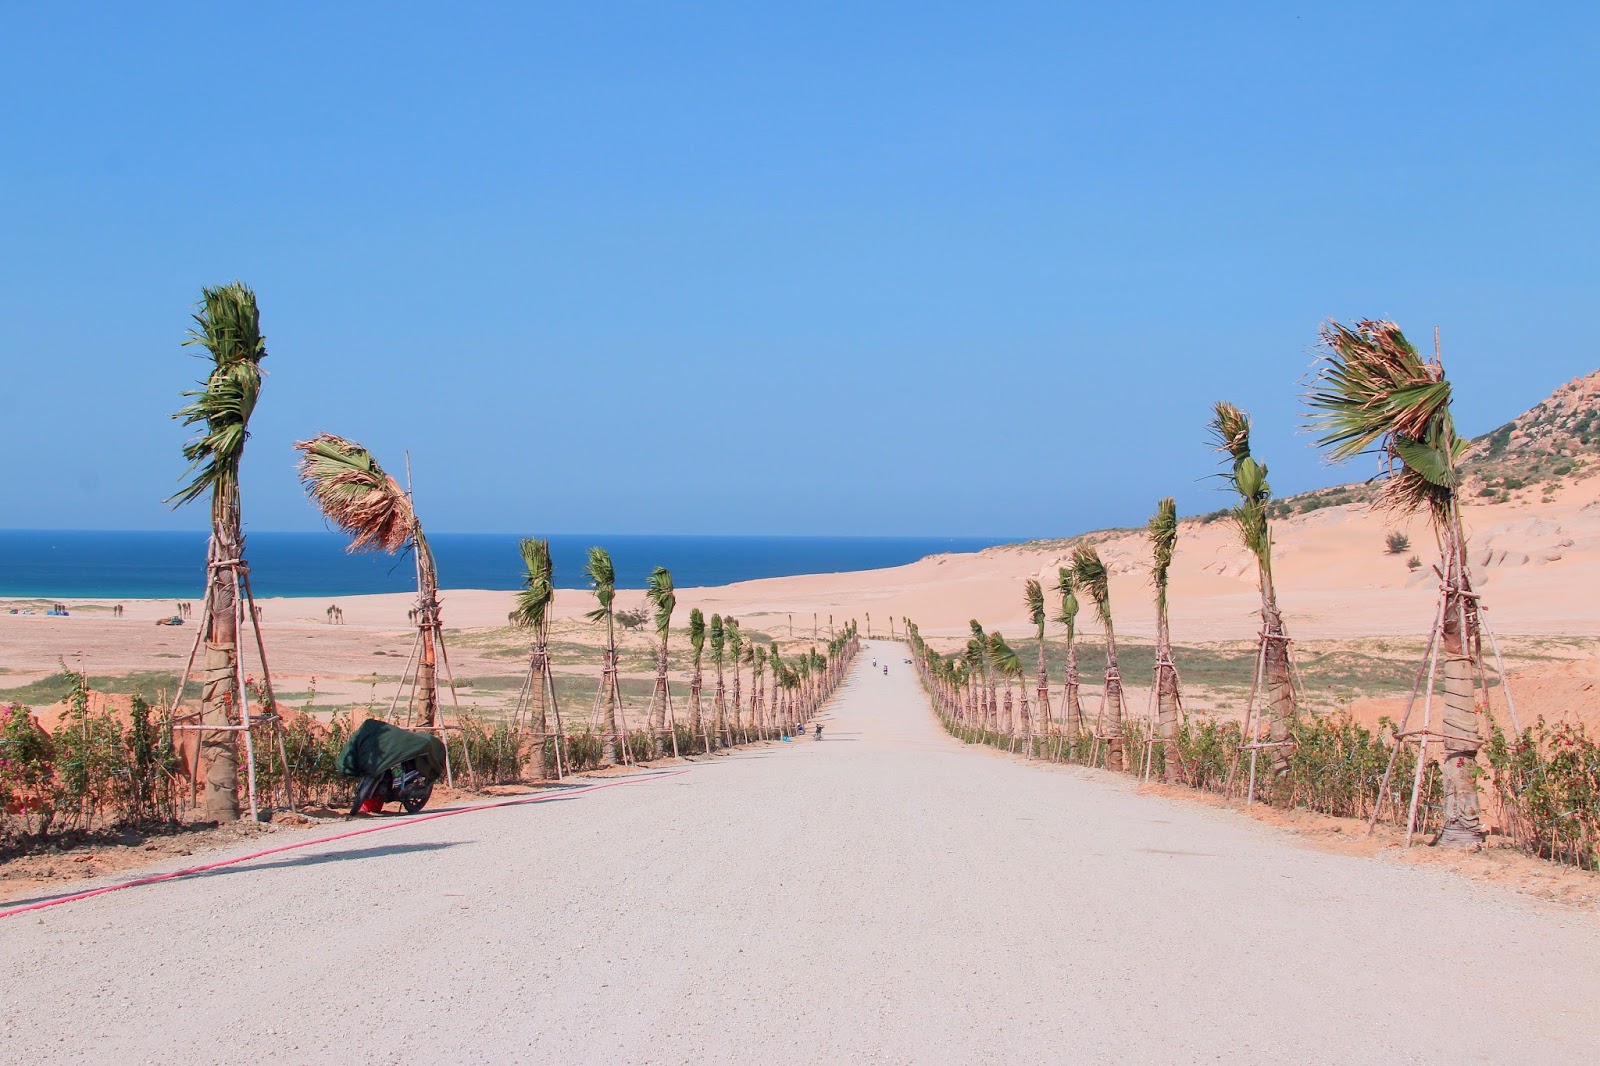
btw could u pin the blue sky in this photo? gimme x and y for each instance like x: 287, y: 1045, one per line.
x: 827, y: 268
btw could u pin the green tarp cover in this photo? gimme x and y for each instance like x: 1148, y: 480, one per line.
x: 378, y: 746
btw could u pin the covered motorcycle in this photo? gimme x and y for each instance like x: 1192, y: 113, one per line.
x: 394, y: 766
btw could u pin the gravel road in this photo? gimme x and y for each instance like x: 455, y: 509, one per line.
x: 882, y: 896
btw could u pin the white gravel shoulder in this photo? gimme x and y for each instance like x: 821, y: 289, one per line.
x: 883, y: 896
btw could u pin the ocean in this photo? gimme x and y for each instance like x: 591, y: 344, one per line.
x: 171, y: 565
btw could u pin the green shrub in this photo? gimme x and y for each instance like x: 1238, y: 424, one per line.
x: 27, y: 771
x: 641, y: 745
x: 1548, y: 786
x: 583, y: 751
x: 481, y: 754
x: 89, y: 754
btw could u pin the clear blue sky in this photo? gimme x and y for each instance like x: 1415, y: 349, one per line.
x: 838, y: 268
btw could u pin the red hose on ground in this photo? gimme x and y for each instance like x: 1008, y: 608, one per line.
x: 155, y: 879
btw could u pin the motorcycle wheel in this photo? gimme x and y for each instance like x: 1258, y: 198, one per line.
x: 415, y: 801
x: 364, y: 790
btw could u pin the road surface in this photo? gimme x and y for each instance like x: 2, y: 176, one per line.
x: 885, y: 895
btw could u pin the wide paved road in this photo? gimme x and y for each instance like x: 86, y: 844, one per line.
x: 883, y: 896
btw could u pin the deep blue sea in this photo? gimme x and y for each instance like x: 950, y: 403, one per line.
x: 63, y: 564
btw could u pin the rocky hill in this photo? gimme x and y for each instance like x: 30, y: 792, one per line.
x: 1536, y: 452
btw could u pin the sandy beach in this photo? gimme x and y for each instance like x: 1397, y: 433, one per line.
x: 1341, y: 591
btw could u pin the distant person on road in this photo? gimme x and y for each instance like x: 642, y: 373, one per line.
x: 819, y: 730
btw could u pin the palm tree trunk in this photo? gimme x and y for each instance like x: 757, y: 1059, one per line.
x: 694, y: 704
x: 658, y: 702
x: 1115, y: 710
x: 1463, y: 818
x: 1042, y: 693
x: 427, y: 694
x: 724, y: 730
x: 540, y: 667
x: 1072, y: 698
x: 1166, y: 682
x: 219, y: 750
x: 614, y: 738
x: 1278, y: 680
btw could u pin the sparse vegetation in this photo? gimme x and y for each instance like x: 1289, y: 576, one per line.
x: 1396, y: 542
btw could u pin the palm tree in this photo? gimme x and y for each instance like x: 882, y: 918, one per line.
x: 1089, y: 574
x: 758, y: 713
x: 739, y: 652
x: 1230, y: 432
x: 1375, y: 392
x: 1163, y: 532
x: 602, y: 577
x: 532, y: 612
x: 357, y: 495
x: 660, y: 593
x: 229, y: 329
x: 697, y: 642
x: 1072, y: 706
x: 975, y: 655
x: 1003, y: 661
x: 719, y: 637
x: 1033, y: 599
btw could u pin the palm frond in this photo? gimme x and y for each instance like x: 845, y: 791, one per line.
x: 659, y: 591
x: 1068, y: 587
x: 353, y: 491
x: 1090, y: 575
x: 1004, y: 657
x: 719, y: 636
x: 976, y: 653
x: 1373, y: 386
x: 1163, y: 532
x: 1230, y: 430
x: 538, y: 584
x: 1033, y: 600
x: 1375, y: 392
x: 229, y: 328
x: 697, y: 631
x: 603, y: 580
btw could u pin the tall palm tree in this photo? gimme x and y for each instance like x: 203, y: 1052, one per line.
x: 1090, y: 575
x: 1375, y: 392
x: 719, y: 639
x: 697, y: 643
x: 602, y: 577
x: 977, y: 657
x: 662, y: 597
x: 1163, y: 532
x: 228, y: 327
x: 780, y: 708
x: 1003, y: 661
x: 532, y: 612
x: 1033, y: 599
x: 1072, y: 704
x: 1247, y: 476
x: 740, y: 653
x: 357, y: 495
x: 758, y: 711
